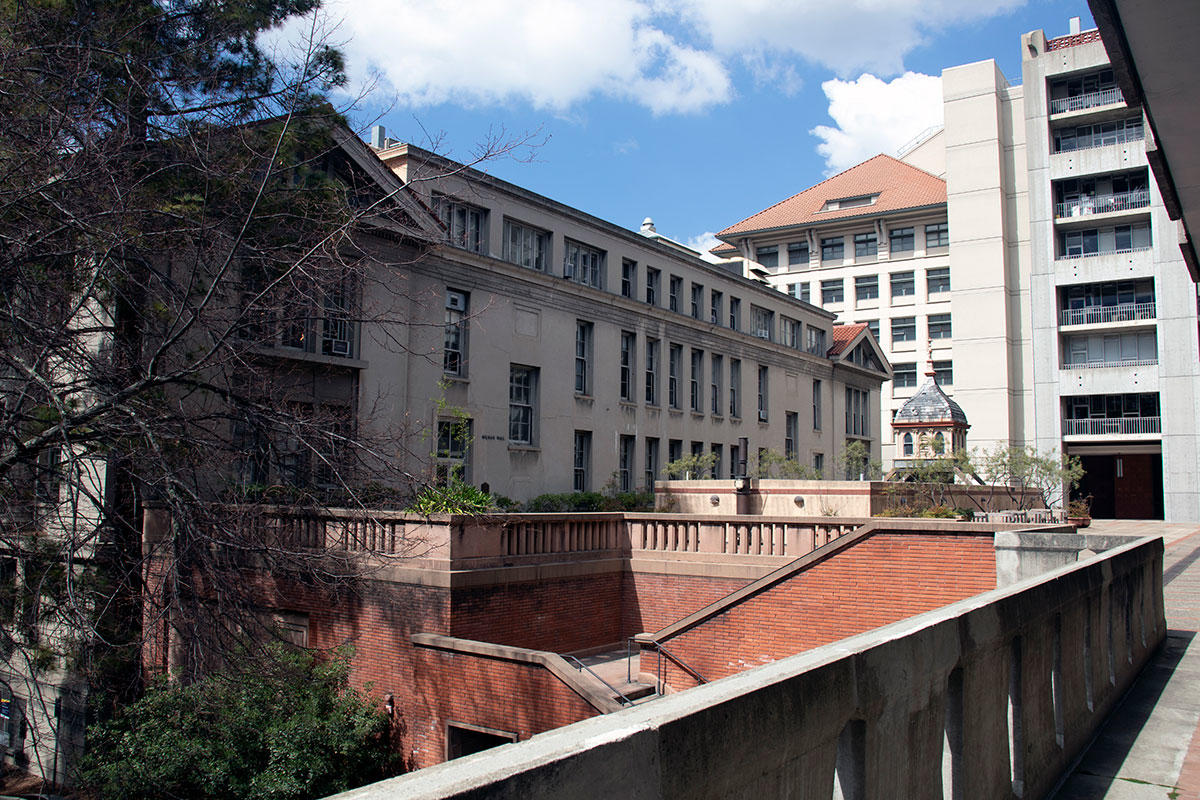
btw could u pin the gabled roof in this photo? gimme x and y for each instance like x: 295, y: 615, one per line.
x: 930, y: 405
x: 847, y: 339
x: 899, y: 186
x: 843, y: 335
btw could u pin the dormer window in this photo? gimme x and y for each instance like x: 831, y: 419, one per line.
x: 850, y: 202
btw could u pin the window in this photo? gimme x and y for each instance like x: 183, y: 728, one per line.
x: 857, y: 412
x: 791, y: 433
x: 466, y: 225
x: 337, y: 326
x: 625, y: 464
x: 675, y: 287
x: 816, y: 404
x: 522, y: 401
x: 938, y: 280
x: 903, y: 284
x: 900, y: 240
x: 628, y: 277
x: 735, y: 387
x: 583, y: 357
x: 798, y: 254
x: 674, y: 450
x: 762, y: 393
x: 819, y: 464
x: 735, y: 456
x: 453, y: 444
x: 873, y: 327
x: 904, y: 329
x: 526, y: 246
x: 454, y: 352
x: 904, y: 375
x: 763, y: 321
x: 937, y: 235
x: 939, y: 326
x: 697, y: 300
x: 866, y: 245
x: 651, y: 462
x: 697, y: 379
x: 653, y: 285
x: 943, y: 373
x: 652, y: 372
x: 583, y: 461
x: 832, y: 249
x: 716, y: 371
x: 908, y: 444
x: 816, y: 341
x: 767, y: 256
x: 716, y: 312
x: 718, y: 453
x: 804, y: 293
x: 674, y: 366
x: 793, y: 289
x: 832, y: 292
x: 866, y: 287
x: 583, y: 264
x: 735, y: 314
x: 628, y: 344
x: 790, y: 332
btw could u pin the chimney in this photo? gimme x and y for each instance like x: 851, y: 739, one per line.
x: 1074, y: 25
x: 378, y: 137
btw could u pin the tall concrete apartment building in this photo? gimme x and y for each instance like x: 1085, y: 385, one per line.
x: 1069, y: 318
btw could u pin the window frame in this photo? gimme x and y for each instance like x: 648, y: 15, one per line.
x: 522, y: 379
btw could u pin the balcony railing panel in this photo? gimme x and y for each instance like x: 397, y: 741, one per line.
x: 1091, y: 142
x: 1111, y: 425
x: 1103, y: 97
x: 1128, y: 362
x: 1092, y: 315
x: 1121, y: 251
x: 1103, y: 204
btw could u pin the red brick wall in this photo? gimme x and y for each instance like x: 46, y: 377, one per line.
x: 880, y: 579
x: 653, y: 601
x: 504, y: 695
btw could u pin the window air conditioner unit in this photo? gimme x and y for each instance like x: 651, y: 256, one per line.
x: 762, y: 416
x: 456, y: 301
x: 339, y: 347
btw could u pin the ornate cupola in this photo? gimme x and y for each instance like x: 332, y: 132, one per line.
x: 929, y: 424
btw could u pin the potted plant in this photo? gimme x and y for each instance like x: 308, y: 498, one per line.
x: 1079, y: 512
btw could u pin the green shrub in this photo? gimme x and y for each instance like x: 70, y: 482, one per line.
x: 454, y: 497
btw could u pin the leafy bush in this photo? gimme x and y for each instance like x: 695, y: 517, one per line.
x: 454, y: 497
x: 290, y: 728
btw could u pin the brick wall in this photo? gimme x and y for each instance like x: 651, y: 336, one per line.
x: 880, y: 579
x: 652, y: 600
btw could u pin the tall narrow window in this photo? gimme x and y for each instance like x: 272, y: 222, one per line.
x: 625, y: 464
x: 697, y: 379
x: 717, y: 451
x: 762, y: 393
x: 454, y: 353
x: 583, y: 357
x: 791, y: 432
x: 674, y: 450
x: 652, y: 346
x: 337, y: 326
x: 697, y: 300
x: 653, y: 285
x: 674, y: 367
x: 735, y: 388
x: 716, y: 310
x: 676, y: 287
x: 651, y: 462
x: 522, y: 403
x: 717, y: 368
x: 628, y: 277
x: 583, y: 461
x: 735, y: 314
x: 764, y: 323
x: 453, y: 445
x: 816, y: 404
x: 628, y: 345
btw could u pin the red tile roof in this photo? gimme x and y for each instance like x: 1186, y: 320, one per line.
x: 899, y: 186
x: 724, y: 249
x: 843, y: 335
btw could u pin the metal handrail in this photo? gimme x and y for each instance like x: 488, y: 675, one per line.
x: 1093, y: 141
x: 1102, y: 97
x: 582, y: 666
x: 1117, y: 251
x: 1122, y: 312
x: 660, y: 674
x: 1100, y: 426
x: 1127, y: 362
x: 1102, y: 204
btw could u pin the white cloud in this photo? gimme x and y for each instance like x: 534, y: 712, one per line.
x: 703, y: 243
x: 548, y: 53
x: 847, y: 36
x: 872, y: 116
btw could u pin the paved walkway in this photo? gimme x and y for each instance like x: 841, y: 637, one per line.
x: 1150, y: 745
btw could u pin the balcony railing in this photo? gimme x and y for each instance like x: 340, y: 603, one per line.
x: 1126, y: 362
x: 1120, y: 251
x: 1103, y: 204
x: 1111, y: 425
x: 1092, y: 315
x: 1103, y: 97
x: 1089, y: 142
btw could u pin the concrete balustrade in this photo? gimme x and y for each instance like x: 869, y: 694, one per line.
x: 990, y: 697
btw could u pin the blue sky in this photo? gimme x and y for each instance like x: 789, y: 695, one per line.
x: 695, y: 112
